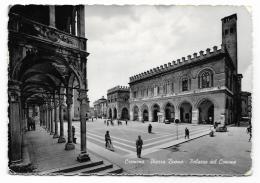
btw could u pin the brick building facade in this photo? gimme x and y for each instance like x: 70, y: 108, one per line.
x: 202, y: 88
x: 118, y: 102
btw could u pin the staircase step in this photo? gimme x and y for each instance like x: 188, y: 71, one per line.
x: 73, y: 168
x: 96, y: 169
x: 114, y: 170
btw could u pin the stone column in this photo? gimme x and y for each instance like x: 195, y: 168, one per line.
x: 48, y: 117
x: 51, y: 119
x: 52, y: 15
x: 61, y: 137
x: 15, y: 132
x: 83, y: 99
x: 55, y: 118
x: 195, y: 116
x: 177, y: 114
x: 150, y: 115
x: 69, y: 100
x: 73, y: 21
x: 81, y: 21
x: 140, y: 115
x: 25, y: 117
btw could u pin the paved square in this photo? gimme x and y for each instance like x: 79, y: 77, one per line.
x: 124, y: 136
x: 164, y: 154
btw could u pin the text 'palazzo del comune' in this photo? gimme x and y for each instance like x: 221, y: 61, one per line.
x: 203, y: 88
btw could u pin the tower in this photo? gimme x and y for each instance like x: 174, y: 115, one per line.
x: 229, y: 36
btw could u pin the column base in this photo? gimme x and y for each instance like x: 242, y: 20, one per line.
x: 61, y: 139
x: 83, y: 157
x: 69, y: 146
x: 55, y: 136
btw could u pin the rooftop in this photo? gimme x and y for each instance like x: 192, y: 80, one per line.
x: 180, y: 62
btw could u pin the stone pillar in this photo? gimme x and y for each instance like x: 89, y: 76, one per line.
x: 177, y: 114
x: 83, y: 99
x: 25, y: 117
x: 48, y: 118
x: 73, y: 21
x: 164, y: 115
x: 52, y: 15
x: 69, y: 100
x: 14, y: 126
x: 140, y: 115
x: 61, y: 137
x: 51, y: 119
x: 131, y: 116
x: 150, y: 115
x: 55, y: 118
x: 81, y: 21
x: 195, y: 116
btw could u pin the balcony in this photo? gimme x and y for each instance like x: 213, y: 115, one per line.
x: 23, y: 26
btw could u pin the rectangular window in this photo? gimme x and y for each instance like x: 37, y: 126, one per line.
x: 172, y: 87
x: 158, y: 90
x: 185, y: 85
x: 135, y: 94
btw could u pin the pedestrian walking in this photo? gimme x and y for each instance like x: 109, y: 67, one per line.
x: 249, y: 131
x: 74, y: 139
x: 139, y: 144
x: 187, y: 133
x: 150, y: 128
x: 108, y: 141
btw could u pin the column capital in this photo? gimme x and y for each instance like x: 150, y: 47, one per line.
x: 83, y: 97
x: 14, y: 92
x: 69, y: 99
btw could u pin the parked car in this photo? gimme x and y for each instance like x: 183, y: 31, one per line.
x: 221, y: 129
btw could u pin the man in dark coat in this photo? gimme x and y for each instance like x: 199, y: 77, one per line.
x: 149, y: 128
x: 107, y: 139
x: 139, y: 144
x: 187, y: 133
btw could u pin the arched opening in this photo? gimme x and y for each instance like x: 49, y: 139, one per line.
x: 145, y: 115
x: 110, y: 114
x: 115, y: 114
x: 155, y: 111
x: 124, y: 115
x: 185, y: 112
x: 206, y: 112
x: 169, y: 112
x: 135, y: 113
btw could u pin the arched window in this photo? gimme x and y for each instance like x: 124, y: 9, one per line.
x: 206, y: 79
x: 185, y: 83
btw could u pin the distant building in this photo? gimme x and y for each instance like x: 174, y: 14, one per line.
x: 100, y: 108
x: 91, y: 112
x: 245, y: 104
x: 199, y: 89
x: 118, y: 102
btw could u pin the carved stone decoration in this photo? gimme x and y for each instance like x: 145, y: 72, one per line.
x: 14, y: 91
x: 83, y: 98
x: 69, y: 99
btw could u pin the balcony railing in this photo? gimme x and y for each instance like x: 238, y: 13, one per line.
x: 39, y: 31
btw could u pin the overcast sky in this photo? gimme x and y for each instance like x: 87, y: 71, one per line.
x: 127, y: 40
